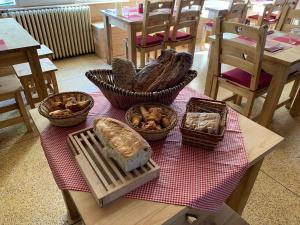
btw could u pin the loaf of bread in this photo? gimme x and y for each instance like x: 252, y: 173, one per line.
x: 204, y: 122
x: 121, y: 143
x: 165, y: 72
x: 124, y: 73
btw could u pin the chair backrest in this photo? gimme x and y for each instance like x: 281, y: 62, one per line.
x: 157, y: 18
x: 270, y: 10
x: 289, y: 19
x: 187, y: 16
x: 237, y: 11
x: 237, y: 53
x: 292, y: 3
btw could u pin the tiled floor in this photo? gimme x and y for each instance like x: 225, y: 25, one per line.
x: 29, y: 195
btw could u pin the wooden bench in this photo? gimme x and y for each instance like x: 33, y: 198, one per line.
x: 23, y: 72
x: 10, y: 88
x: 224, y: 216
x: 45, y: 52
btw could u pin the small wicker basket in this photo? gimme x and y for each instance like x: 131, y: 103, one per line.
x: 152, y: 135
x: 124, y: 99
x: 65, y: 121
x: 201, y: 139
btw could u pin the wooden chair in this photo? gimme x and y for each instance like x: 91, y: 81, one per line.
x: 270, y: 14
x: 223, y: 216
x: 290, y: 19
x: 157, y: 18
x: 23, y: 72
x: 10, y: 88
x: 237, y: 12
x: 247, y: 80
x: 187, y: 17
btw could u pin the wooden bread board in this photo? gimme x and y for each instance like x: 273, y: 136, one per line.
x: 106, y: 180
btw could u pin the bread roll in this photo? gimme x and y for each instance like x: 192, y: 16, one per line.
x: 60, y: 112
x: 121, y: 143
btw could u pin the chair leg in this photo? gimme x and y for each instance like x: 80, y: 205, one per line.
x: 293, y: 92
x: 238, y: 100
x: 22, y: 110
x: 203, y: 38
x: 142, y: 57
x: 25, y: 84
x: 215, y: 88
x: 126, y: 47
x: 54, y: 82
x: 191, y: 47
x: 155, y: 54
x: 249, y: 105
x: 296, y: 104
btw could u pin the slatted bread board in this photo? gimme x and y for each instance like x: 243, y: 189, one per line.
x: 106, y: 180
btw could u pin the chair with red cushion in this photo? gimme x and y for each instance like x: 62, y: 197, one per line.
x: 157, y: 18
x: 247, y: 80
x: 237, y: 12
x: 187, y: 18
x: 270, y: 14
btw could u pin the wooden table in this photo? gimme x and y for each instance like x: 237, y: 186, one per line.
x: 17, y: 46
x: 259, y: 142
x: 278, y: 64
x: 216, y: 8
x: 131, y: 25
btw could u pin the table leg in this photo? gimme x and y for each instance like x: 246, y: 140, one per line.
x: 210, y: 72
x: 37, y: 73
x: 73, y: 215
x: 108, y: 39
x: 239, y: 197
x: 295, y: 109
x: 273, y: 95
x: 131, y: 44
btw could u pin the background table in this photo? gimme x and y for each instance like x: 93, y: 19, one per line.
x: 131, y: 24
x: 17, y: 46
x: 132, y: 211
x: 278, y: 64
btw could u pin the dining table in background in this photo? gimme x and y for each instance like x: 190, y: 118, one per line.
x: 131, y: 23
x: 133, y: 211
x: 279, y: 64
x: 17, y: 46
x: 213, y: 9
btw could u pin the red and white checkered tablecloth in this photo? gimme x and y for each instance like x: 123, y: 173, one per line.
x: 189, y: 176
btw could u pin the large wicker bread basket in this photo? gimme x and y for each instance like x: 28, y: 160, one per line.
x: 124, y: 99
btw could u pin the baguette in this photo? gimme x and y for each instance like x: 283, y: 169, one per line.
x: 121, y: 143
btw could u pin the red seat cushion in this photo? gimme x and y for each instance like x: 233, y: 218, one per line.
x: 209, y: 24
x: 150, y: 40
x: 271, y: 19
x: 254, y: 17
x: 243, y: 78
x: 179, y: 35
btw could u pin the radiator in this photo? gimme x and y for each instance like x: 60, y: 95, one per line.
x: 66, y: 30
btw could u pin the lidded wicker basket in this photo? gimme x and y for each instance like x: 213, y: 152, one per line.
x: 45, y: 107
x: 152, y: 135
x: 200, y: 139
x: 124, y: 99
